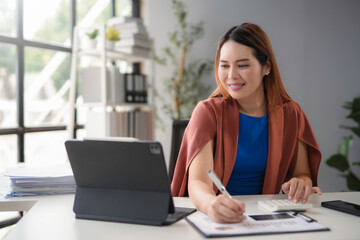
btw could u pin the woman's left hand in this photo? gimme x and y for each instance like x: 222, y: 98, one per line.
x: 299, y: 189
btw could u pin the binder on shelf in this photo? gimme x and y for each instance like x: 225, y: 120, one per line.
x: 144, y: 92
x: 135, y: 88
x: 129, y: 88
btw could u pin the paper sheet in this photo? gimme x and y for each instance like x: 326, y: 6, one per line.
x: 249, y: 226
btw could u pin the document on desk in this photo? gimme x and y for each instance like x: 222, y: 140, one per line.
x: 38, y: 181
x: 256, y: 224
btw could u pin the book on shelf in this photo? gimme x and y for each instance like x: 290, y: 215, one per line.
x: 132, y: 122
x: 136, y: 42
x: 131, y: 27
x: 134, y: 36
x: 117, y: 20
x: 128, y: 25
x: 116, y: 86
x: 135, y: 51
x: 143, y: 37
x: 91, y: 85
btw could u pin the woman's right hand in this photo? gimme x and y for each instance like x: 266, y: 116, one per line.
x: 223, y: 209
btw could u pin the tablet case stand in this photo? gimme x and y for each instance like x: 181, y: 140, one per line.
x: 121, y: 181
x: 122, y: 206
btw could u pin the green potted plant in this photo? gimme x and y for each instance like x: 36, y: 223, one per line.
x: 112, y: 36
x: 183, y: 88
x: 92, y: 38
x: 340, y: 160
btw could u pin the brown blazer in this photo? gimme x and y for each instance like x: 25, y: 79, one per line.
x: 217, y: 119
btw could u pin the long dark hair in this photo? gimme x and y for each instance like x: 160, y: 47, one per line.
x: 253, y: 36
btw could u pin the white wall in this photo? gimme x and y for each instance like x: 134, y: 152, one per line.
x: 317, y: 48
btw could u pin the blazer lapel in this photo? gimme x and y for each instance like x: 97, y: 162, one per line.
x: 230, y: 136
x: 275, y: 143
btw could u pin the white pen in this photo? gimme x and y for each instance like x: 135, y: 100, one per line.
x: 218, y: 183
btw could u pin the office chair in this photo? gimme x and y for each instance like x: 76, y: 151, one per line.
x: 178, y: 128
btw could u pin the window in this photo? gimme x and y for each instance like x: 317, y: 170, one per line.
x: 35, y: 59
x: 7, y: 18
x: 7, y: 85
x: 51, y: 25
x: 46, y: 87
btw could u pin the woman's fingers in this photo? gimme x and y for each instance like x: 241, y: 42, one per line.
x: 299, y: 190
x: 293, y: 188
x: 224, y: 209
x: 307, y: 194
x: 285, y: 187
x: 316, y: 190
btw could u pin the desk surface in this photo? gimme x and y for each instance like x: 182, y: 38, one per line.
x: 51, y: 217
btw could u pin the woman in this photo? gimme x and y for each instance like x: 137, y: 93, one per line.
x: 249, y: 131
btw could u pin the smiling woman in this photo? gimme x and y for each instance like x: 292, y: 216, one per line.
x: 250, y: 132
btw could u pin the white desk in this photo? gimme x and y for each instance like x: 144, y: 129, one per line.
x: 51, y: 217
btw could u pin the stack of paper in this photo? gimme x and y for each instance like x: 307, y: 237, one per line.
x: 39, y: 181
x: 134, y: 36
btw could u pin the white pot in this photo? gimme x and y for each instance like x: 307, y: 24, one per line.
x: 90, y: 43
x: 110, y: 44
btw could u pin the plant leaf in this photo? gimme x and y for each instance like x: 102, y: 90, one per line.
x: 345, y: 144
x: 338, y: 161
x: 190, y: 90
x: 348, y: 105
x: 356, y: 105
x: 353, y: 182
x: 354, y: 116
x: 355, y: 130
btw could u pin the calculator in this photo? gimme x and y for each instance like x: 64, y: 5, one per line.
x: 283, y: 205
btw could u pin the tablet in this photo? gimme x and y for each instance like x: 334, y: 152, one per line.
x: 343, y: 206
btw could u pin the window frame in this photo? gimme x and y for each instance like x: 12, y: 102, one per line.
x: 20, y: 43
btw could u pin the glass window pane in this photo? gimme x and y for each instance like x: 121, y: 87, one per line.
x: 8, y: 151
x: 80, y: 133
x: 47, y: 87
x: 90, y: 12
x: 123, y: 7
x: 7, y: 86
x: 45, y: 147
x: 7, y: 17
x: 51, y: 24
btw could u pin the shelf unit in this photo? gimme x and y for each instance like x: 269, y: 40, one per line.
x: 105, y: 55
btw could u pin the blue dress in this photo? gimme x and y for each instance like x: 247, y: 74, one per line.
x: 247, y: 177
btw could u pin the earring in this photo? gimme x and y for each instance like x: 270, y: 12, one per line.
x: 267, y: 73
